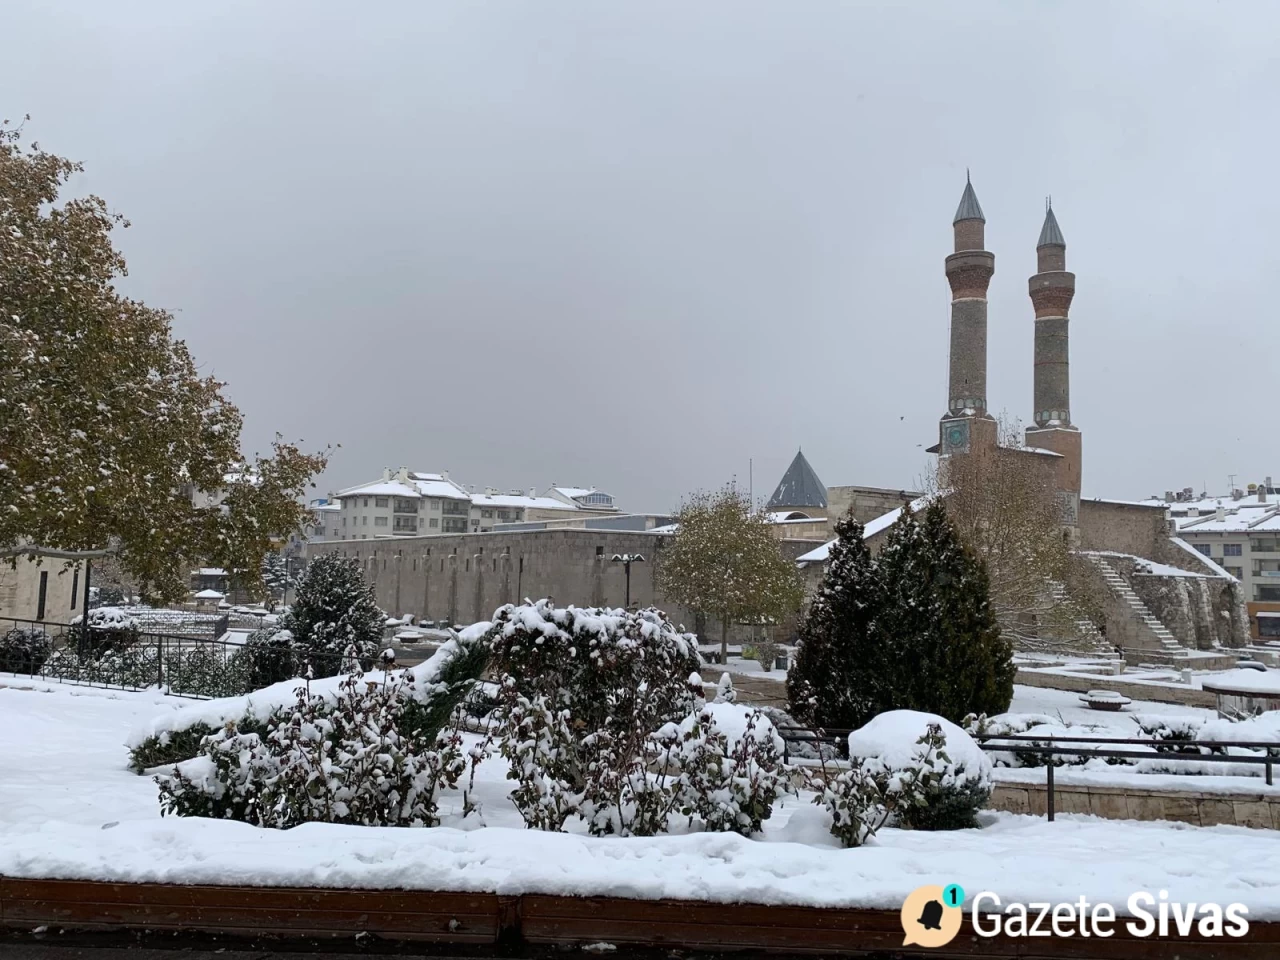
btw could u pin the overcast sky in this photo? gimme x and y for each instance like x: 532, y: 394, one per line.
x: 637, y: 245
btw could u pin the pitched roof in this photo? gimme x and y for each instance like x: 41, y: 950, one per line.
x: 969, y: 208
x: 799, y: 487
x: 1050, y: 232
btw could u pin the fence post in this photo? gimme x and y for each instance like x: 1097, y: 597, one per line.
x: 160, y: 661
x: 1268, y: 766
x: 1049, y: 790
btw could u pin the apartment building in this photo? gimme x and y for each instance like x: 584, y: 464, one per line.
x: 407, y: 503
x: 1241, y: 533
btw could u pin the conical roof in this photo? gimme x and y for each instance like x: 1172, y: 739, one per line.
x: 799, y: 487
x: 1050, y: 232
x: 969, y: 208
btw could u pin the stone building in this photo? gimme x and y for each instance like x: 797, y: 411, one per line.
x: 45, y: 592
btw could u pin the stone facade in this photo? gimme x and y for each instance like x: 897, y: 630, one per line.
x: 1128, y: 528
x: 20, y: 589
x: 867, y: 503
x: 465, y: 577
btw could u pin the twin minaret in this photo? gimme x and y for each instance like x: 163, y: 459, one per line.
x: 967, y: 424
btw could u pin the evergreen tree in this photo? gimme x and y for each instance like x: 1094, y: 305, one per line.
x: 837, y: 639
x: 334, y: 609
x: 940, y: 648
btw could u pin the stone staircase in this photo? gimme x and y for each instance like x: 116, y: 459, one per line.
x: 1157, y: 643
x: 1089, y: 636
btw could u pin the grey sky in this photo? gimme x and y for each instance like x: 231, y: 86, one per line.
x: 636, y: 244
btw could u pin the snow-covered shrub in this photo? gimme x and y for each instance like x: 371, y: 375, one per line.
x: 342, y: 760
x: 24, y: 650
x: 724, y: 689
x: 730, y: 764
x: 333, y: 609
x: 584, y: 695
x: 269, y: 656
x: 439, y: 684
x: 135, y: 666
x: 1170, y: 734
x: 935, y: 763
x: 108, y: 629
x: 766, y: 654
x: 204, y: 670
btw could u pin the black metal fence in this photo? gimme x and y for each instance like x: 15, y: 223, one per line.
x: 126, y: 658
x: 1260, y: 753
x: 801, y: 742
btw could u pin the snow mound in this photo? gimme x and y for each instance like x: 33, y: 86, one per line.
x: 892, y: 739
x: 260, y: 703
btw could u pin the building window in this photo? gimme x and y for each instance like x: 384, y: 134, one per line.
x: 1232, y: 549
x: 379, y: 521
x: 44, y: 594
x: 406, y: 524
x: 1202, y: 548
x: 405, y: 505
x: 1269, y: 627
x: 1237, y: 572
x: 344, y: 521
x: 1266, y: 592
x: 486, y: 514
x: 433, y: 522
x: 364, y: 521
x: 366, y: 501
x: 1265, y: 544
x: 435, y: 505
x: 382, y: 501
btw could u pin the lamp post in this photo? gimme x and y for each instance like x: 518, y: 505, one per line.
x: 627, y: 559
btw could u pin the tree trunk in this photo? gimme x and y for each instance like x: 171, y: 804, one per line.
x: 724, y: 641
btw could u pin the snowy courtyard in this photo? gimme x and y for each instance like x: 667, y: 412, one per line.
x: 71, y: 808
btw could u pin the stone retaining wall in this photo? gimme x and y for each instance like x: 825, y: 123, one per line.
x: 1185, y: 696
x: 1261, y: 810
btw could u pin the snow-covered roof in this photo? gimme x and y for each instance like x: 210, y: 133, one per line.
x: 519, y: 500
x: 1207, y: 504
x: 419, y: 485
x: 210, y: 572
x: 870, y: 529
x: 327, y: 506
x: 209, y: 595
x: 383, y: 488
x: 575, y: 492
x: 1241, y: 521
x: 1041, y: 451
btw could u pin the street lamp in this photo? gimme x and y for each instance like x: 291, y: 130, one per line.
x: 627, y: 559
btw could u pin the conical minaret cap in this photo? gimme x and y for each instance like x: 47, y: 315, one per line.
x: 969, y: 208
x: 1050, y: 233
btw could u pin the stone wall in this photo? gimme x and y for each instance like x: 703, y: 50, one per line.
x: 1126, y: 528
x: 465, y: 577
x: 20, y: 590
x: 867, y: 503
x: 1203, y: 808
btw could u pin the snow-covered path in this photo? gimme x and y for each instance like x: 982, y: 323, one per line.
x: 69, y: 807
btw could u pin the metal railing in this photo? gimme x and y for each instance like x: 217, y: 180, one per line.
x: 132, y: 659
x: 1207, y: 751
x: 1265, y: 754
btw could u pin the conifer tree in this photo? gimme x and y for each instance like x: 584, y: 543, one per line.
x: 334, y: 609
x: 836, y: 638
x: 940, y: 645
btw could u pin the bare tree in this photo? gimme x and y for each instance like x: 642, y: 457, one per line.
x: 1004, y: 503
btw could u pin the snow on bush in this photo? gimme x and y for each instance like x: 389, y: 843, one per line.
x: 439, y: 684
x: 602, y: 717
x: 24, y: 650
x: 331, y: 760
x: 916, y: 769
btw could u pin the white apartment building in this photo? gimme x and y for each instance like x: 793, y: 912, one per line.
x: 408, y: 504
x: 1241, y: 533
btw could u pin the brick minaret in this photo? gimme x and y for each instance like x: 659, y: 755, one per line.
x: 969, y: 272
x: 1051, y: 289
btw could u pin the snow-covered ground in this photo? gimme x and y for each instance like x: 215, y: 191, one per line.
x: 69, y: 807
x: 1066, y: 705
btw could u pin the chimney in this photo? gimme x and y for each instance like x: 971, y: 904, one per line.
x: 1193, y: 511
x: 444, y: 475
x: 1262, y: 494
x: 1237, y: 494
x: 1168, y: 496
x: 386, y: 473
x: 403, y: 475
x: 533, y: 492
x: 490, y: 491
x: 1220, y: 514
